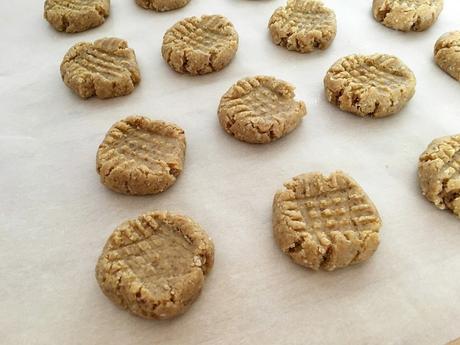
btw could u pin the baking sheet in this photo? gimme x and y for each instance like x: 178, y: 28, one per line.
x: 55, y: 216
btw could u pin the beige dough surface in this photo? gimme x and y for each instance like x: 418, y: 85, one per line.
x: 76, y: 15
x: 162, y: 5
x: 260, y: 109
x: 439, y: 173
x: 407, y: 15
x: 155, y: 265
x: 140, y: 156
x: 376, y: 85
x: 200, y: 45
x: 303, y: 26
x: 325, y: 222
x: 447, y: 53
x: 106, y: 68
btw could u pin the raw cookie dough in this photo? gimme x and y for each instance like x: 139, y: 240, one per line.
x: 376, y: 85
x: 325, y: 222
x: 407, y: 15
x: 200, y: 45
x: 447, y: 53
x: 155, y: 265
x: 140, y: 156
x: 439, y: 173
x: 303, y: 26
x: 260, y: 109
x: 106, y: 68
x: 76, y: 15
x: 162, y: 5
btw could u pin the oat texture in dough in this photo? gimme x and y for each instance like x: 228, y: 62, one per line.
x: 200, y: 45
x: 439, y: 173
x: 162, y: 5
x: 303, y: 26
x: 155, y: 265
x: 140, y: 156
x: 447, y: 53
x: 325, y: 222
x: 376, y: 85
x: 260, y: 109
x: 407, y: 15
x: 106, y: 68
x: 76, y: 15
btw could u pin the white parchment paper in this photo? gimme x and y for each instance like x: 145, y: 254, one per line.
x: 55, y: 216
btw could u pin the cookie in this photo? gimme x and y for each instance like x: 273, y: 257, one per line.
x: 155, y: 265
x: 325, y: 222
x: 439, y: 173
x: 200, y: 45
x: 303, y: 26
x: 447, y: 53
x: 76, y: 15
x: 140, y: 156
x: 162, y: 5
x: 376, y: 85
x: 106, y: 68
x: 407, y: 15
x: 260, y: 109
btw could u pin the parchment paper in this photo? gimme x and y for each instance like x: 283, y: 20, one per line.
x: 55, y: 216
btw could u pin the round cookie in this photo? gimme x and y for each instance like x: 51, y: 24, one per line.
x: 155, y: 265
x: 407, y: 15
x: 106, y: 68
x: 76, y: 15
x: 447, y: 53
x: 260, y: 109
x: 200, y: 45
x: 162, y: 5
x: 303, y: 26
x: 140, y: 156
x: 439, y: 173
x: 376, y: 85
x: 325, y: 222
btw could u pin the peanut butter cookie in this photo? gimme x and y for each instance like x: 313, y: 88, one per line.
x: 325, y: 222
x: 407, y: 15
x: 447, y: 53
x: 76, y: 15
x: 200, y: 45
x: 439, y: 173
x: 106, y: 68
x: 260, y: 109
x: 162, y: 5
x: 140, y: 156
x: 377, y: 85
x: 303, y: 26
x: 155, y: 265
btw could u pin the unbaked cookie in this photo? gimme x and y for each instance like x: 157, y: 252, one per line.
x: 140, y: 156
x: 200, y: 45
x: 162, y: 5
x: 325, y: 222
x: 260, y: 109
x: 303, y: 26
x: 155, y: 265
x: 407, y: 15
x: 106, y: 68
x: 375, y: 85
x: 439, y: 173
x: 447, y: 53
x: 76, y: 15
